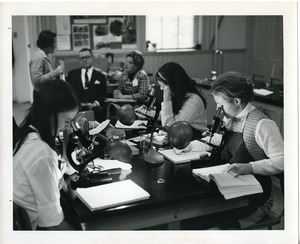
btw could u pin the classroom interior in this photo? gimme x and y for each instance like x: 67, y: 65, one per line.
x: 252, y: 45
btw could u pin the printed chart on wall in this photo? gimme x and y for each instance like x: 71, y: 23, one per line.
x: 80, y: 36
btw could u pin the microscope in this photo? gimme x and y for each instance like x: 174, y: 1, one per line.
x: 86, y: 148
x: 150, y: 110
x: 216, y: 127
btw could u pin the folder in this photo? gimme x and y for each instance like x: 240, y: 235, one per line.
x: 111, y: 195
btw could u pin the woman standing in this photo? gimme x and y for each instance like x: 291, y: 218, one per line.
x: 37, y: 178
x: 41, y: 70
x: 134, y: 82
x: 253, y: 144
x: 182, y: 99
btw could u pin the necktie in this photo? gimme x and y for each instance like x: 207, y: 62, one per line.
x: 86, y: 78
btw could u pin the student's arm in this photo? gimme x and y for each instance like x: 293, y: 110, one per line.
x: 43, y: 177
x: 268, y: 137
x: 187, y: 113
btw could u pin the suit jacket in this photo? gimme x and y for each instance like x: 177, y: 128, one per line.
x: 96, y: 90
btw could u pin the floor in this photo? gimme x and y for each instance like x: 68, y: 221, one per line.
x: 20, y: 110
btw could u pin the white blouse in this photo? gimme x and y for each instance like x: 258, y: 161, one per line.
x: 36, y: 179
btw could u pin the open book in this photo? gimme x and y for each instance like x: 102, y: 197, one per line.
x: 229, y: 185
x: 111, y: 195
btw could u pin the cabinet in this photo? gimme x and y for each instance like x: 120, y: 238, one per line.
x: 266, y: 46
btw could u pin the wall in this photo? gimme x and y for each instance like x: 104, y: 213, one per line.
x: 197, y: 63
x: 21, y: 79
x: 232, y: 32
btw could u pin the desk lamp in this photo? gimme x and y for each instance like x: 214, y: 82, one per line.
x: 152, y: 156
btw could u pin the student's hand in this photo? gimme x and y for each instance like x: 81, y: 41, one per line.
x: 240, y: 169
x: 167, y: 94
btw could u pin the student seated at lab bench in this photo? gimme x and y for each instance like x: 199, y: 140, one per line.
x: 182, y: 99
x: 253, y: 144
x: 37, y: 178
x: 89, y: 84
x: 134, y: 81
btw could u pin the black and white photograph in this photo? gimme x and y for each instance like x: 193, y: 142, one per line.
x: 178, y: 125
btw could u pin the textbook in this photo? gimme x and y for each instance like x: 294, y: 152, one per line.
x: 228, y: 185
x: 180, y: 158
x: 111, y: 195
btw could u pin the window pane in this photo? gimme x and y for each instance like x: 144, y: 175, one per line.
x: 186, y: 32
x: 153, y: 30
x: 170, y: 32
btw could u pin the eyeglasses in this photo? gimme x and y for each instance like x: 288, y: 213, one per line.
x: 84, y: 57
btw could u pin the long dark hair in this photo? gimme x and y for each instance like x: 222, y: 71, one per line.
x: 173, y: 75
x: 55, y: 96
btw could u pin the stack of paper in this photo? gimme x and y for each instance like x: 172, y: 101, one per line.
x: 111, y: 195
x: 228, y: 185
x: 262, y: 92
x: 137, y: 124
x: 180, y: 158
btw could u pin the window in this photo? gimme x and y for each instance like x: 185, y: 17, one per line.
x: 170, y: 32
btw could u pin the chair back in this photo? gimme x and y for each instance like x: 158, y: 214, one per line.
x: 20, y: 218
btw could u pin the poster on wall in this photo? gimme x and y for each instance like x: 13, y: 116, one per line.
x: 119, y: 32
x: 80, y: 36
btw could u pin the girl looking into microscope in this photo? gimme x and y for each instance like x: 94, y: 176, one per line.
x: 253, y: 144
x: 37, y: 179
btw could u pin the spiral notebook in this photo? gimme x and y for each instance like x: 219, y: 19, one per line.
x: 111, y: 195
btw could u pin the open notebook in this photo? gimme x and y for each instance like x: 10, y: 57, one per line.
x: 228, y: 185
x: 111, y: 195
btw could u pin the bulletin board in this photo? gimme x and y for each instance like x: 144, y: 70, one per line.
x: 97, y: 32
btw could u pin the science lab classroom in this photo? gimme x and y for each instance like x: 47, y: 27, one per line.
x: 149, y: 123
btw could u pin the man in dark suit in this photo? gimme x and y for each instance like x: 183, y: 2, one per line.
x: 89, y: 84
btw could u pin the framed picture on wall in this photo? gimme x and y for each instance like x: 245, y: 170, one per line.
x: 80, y: 36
